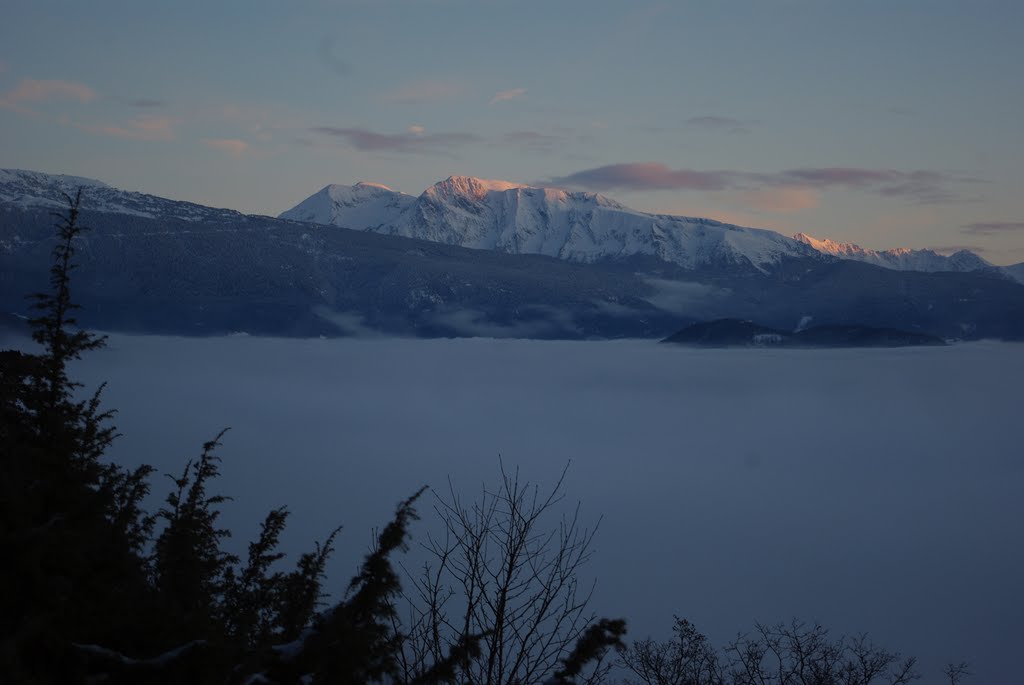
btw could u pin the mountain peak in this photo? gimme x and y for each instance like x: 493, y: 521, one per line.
x: 471, y: 185
x: 829, y: 246
x: 900, y: 258
x: 371, y: 184
x: 54, y: 180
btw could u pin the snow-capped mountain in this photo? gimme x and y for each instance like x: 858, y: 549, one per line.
x: 1016, y: 271
x: 34, y: 189
x: 586, y: 227
x: 519, y: 219
x: 151, y: 264
x: 901, y: 258
x: 364, y: 204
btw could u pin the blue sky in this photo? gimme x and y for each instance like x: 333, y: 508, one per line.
x: 896, y: 123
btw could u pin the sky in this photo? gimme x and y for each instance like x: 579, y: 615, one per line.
x: 889, y: 124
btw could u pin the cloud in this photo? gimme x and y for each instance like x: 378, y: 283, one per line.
x: 719, y: 123
x: 234, y: 147
x: 416, y: 130
x: 140, y: 128
x: 645, y: 176
x: 536, y: 321
x: 31, y: 90
x: 680, y: 296
x: 502, y: 96
x: 408, y: 142
x: 994, y: 227
x: 423, y: 91
x: 785, y: 199
x: 924, y: 187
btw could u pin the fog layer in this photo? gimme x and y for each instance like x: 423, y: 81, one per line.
x: 872, y: 490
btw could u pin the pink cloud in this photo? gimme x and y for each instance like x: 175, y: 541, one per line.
x: 141, y: 128
x: 646, y: 176
x: 504, y: 95
x: 32, y: 90
x: 784, y: 200
x: 409, y: 141
x: 924, y: 187
x: 234, y: 147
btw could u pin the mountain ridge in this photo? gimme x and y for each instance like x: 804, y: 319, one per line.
x: 586, y: 227
x: 571, y: 225
x: 899, y: 258
x: 150, y: 264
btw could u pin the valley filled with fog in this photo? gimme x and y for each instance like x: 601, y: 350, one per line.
x: 871, y: 490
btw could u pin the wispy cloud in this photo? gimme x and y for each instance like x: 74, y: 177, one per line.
x: 422, y: 91
x: 646, y: 176
x: 505, y: 95
x: 719, y: 123
x: 32, y: 91
x: 408, y: 142
x: 232, y: 146
x: 924, y: 187
x: 783, y: 200
x: 994, y: 227
x: 140, y: 128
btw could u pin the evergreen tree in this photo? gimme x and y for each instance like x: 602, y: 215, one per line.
x: 93, y: 596
x: 71, y: 525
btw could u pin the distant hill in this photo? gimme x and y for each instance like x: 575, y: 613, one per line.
x: 737, y: 333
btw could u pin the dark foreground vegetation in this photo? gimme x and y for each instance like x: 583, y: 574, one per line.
x: 96, y: 588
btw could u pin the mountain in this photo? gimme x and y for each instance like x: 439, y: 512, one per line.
x: 901, y: 258
x: 586, y: 227
x: 155, y: 265
x: 1016, y: 272
x: 519, y: 219
x: 364, y: 204
x: 33, y: 189
x: 736, y: 333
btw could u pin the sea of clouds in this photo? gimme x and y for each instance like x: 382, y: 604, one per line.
x: 871, y: 490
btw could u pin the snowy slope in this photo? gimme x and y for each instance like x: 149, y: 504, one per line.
x: 901, y: 259
x: 519, y: 219
x: 1016, y: 272
x: 34, y: 189
x: 364, y: 204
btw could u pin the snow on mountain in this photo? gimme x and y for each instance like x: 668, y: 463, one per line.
x: 1016, y: 272
x: 901, y: 259
x: 505, y: 217
x: 364, y: 204
x: 520, y: 219
x: 34, y: 189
